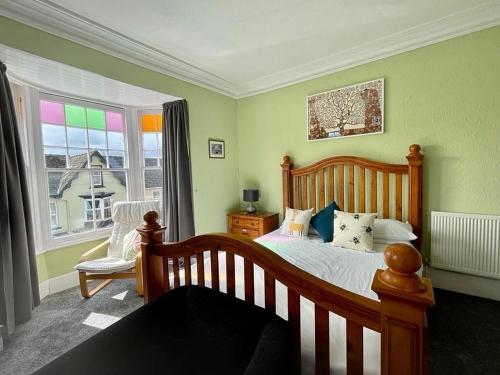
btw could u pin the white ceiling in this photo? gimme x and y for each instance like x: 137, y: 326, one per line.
x: 243, y: 47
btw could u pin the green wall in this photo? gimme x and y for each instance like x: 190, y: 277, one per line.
x: 444, y: 97
x: 215, y: 182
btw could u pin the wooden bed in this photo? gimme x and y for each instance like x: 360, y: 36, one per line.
x: 399, y: 316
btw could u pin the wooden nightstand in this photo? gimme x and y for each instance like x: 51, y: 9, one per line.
x: 252, y: 225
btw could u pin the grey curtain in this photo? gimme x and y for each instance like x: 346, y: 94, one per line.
x: 177, y: 187
x: 18, y: 276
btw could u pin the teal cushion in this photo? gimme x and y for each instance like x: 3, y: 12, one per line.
x: 323, y: 222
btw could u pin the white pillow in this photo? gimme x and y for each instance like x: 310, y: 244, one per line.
x: 393, y: 230
x: 296, y: 223
x: 353, y: 230
x: 131, y: 245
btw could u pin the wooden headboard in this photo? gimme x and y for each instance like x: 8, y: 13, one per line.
x: 359, y: 185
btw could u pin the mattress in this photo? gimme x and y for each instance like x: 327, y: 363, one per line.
x: 348, y: 269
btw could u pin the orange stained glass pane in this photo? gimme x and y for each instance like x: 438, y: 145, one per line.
x: 151, y: 123
x: 148, y: 123
x: 159, y: 121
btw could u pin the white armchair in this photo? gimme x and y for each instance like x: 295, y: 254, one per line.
x: 126, y: 217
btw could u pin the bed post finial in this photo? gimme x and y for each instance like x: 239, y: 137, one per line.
x: 403, y: 261
x: 151, y: 219
x: 415, y: 176
x: 149, y: 266
x: 415, y: 151
x: 287, y: 191
x: 404, y: 299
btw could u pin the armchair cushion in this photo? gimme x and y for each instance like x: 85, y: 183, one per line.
x: 126, y: 217
x: 105, y: 265
x: 131, y: 243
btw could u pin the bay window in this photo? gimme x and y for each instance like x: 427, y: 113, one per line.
x: 83, y: 156
x: 78, y: 138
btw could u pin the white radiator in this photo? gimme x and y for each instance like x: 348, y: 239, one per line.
x: 466, y: 243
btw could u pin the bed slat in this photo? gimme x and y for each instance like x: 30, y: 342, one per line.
x: 230, y: 278
x: 354, y: 348
x: 270, y: 292
x: 295, y: 191
x: 385, y: 190
x: 322, y: 341
x: 187, y: 270
x: 312, y: 192
x: 321, y: 189
x: 331, y: 184
x: 177, y: 281
x: 200, y: 269
x: 373, y: 196
x: 304, y: 192
x: 249, y: 282
x: 351, y: 188
x: 362, y: 197
x: 294, y: 320
x: 399, y: 196
x: 340, y: 190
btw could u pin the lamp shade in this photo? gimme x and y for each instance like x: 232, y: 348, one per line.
x: 250, y: 195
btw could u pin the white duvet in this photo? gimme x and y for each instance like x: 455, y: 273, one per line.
x: 349, y: 269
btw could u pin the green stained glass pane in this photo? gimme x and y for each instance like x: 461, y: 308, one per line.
x: 75, y: 116
x: 96, y: 119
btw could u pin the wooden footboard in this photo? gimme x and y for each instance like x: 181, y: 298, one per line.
x: 400, y: 316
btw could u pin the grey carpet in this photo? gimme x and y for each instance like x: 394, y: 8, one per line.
x: 57, y: 325
x: 464, y: 331
x: 464, y: 335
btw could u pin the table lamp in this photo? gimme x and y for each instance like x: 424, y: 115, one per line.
x: 250, y: 195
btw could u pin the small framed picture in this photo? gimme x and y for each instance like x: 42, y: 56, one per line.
x: 216, y: 149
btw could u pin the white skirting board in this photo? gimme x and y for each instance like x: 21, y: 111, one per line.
x: 462, y: 283
x: 58, y: 284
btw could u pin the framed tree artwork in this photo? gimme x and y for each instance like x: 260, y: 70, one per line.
x: 347, y: 111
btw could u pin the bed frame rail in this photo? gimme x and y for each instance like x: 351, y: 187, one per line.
x: 400, y: 316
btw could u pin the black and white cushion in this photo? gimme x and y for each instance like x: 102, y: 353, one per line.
x: 353, y: 230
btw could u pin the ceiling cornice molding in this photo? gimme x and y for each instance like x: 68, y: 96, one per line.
x: 47, y: 16
x: 452, y: 26
x: 53, y: 19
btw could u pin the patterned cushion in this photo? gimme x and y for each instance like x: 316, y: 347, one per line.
x: 131, y: 245
x: 296, y: 223
x: 353, y: 231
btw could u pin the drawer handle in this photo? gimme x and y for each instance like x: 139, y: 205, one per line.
x: 244, y: 231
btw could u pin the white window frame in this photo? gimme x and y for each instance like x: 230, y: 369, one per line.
x: 97, y: 179
x: 32, y: 134
x: 139, y: 113
x: 102, y: 208
x: 53, y: 214
x: 156, y: 192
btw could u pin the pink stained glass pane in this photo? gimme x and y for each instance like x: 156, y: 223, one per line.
x: 51, y: 112
x: 114, y: 121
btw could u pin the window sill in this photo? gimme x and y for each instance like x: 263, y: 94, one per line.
x: 74, y: 239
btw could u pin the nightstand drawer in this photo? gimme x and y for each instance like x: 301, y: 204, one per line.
x: 238, y: 222
x: 245, y: 223
x: 251, y: 225
x: 245, y: 232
